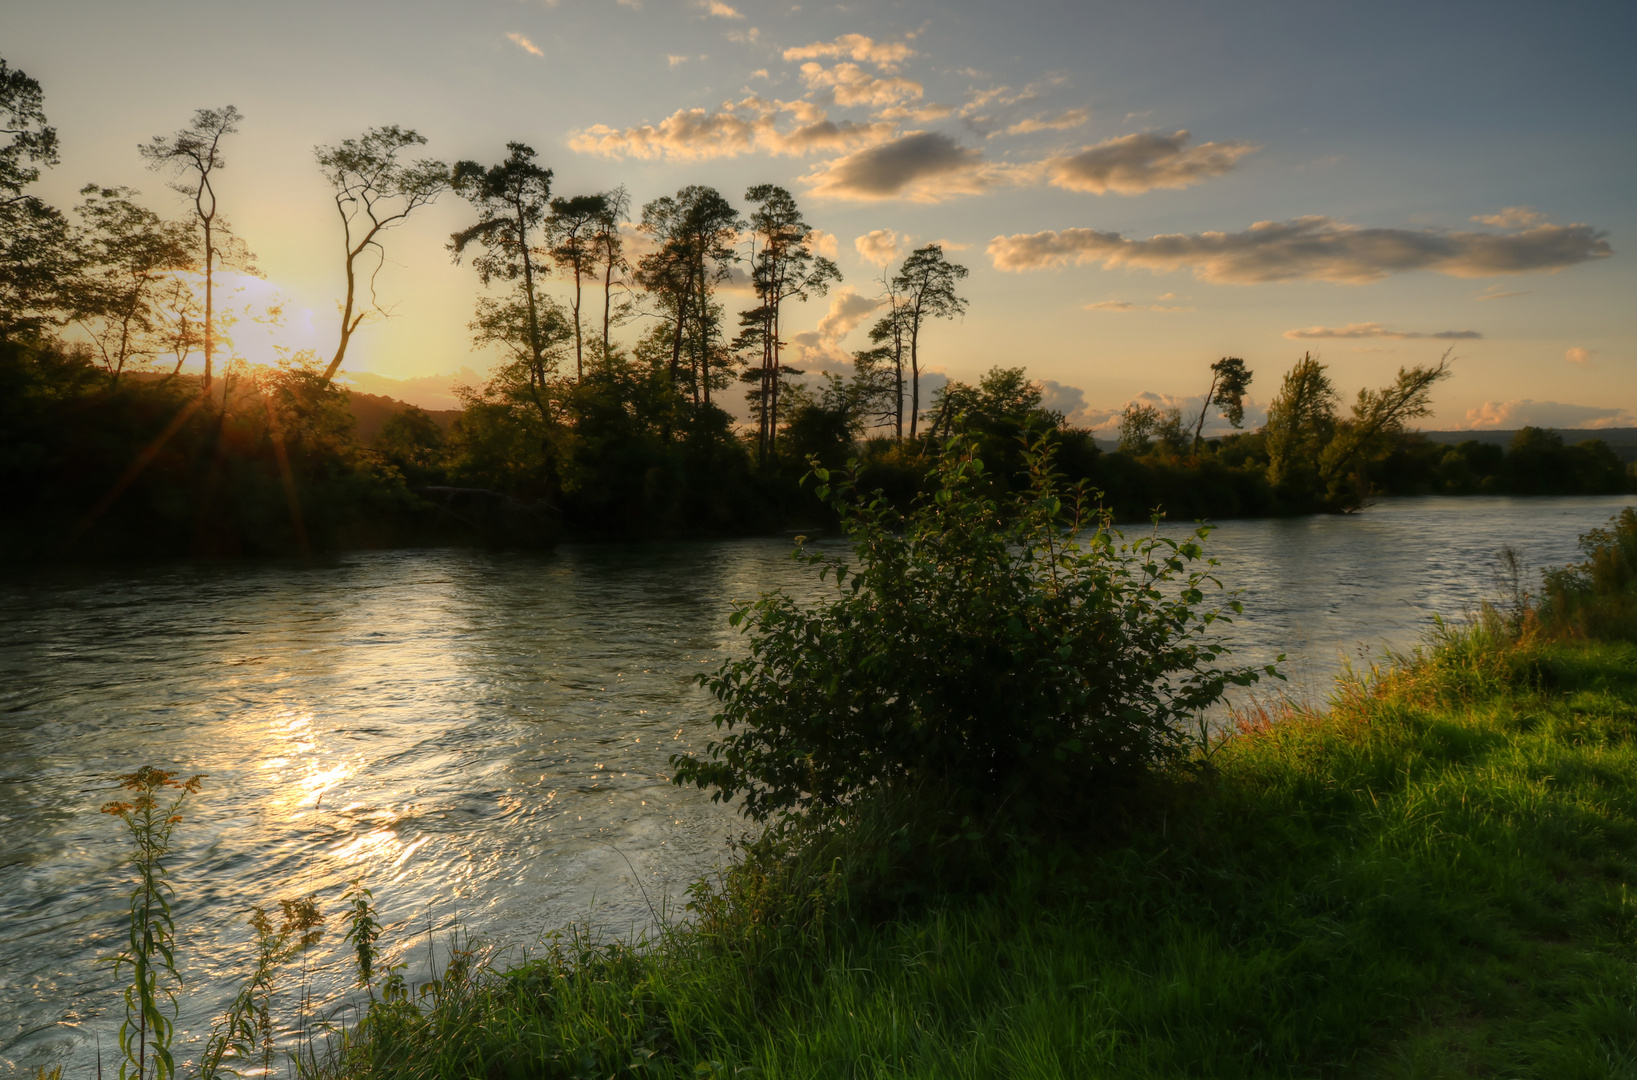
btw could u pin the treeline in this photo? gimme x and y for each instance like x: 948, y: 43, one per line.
x: 605, y: 416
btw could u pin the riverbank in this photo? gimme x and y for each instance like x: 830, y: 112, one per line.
x: 1432, y: 877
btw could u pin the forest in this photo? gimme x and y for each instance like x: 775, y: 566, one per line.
x: 130, y: 426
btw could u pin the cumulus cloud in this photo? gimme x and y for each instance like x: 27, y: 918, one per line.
x: 525, y: 44
x: 1071, y: 118
x: 880, y: 246
x: 1133, y: 164
x: 1513, y: 217
x: 1127, y: 305
x: 1526, y: 412
x: 823, y: 242
x: 823, y: 343
x: 1309, y: 248
x: 1106, y: 422
x: 924, y: 166
x: 886, y: 55
x: 851, y: 85
x: 675, y: 60
x: 719, y: 10
x: 1376, y: 330
x: 1579, y: 355
x: 735, y: 129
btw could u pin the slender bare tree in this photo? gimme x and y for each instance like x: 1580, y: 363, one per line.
x: 374, y: 192
x: 192, y: 155
x: 926, y: 282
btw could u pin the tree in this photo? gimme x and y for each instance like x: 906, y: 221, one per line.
x: 1378, y: 415
x: 374, y: 192
x: 192, y: 155
x: 610, y: 245
x: 35, y: 249
x: 926, y: 282
x: 784, y: 268
x: 129, y: 257
x: 1301, y: 422
x: 573, y: 230
x: 695, y: 230
x: 890, y: 337
x: 512, y: 200
x: 1230, y: 378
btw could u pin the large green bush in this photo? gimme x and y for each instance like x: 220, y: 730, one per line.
x: 1009, y: 651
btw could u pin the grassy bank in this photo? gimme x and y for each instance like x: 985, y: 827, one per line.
x: 1431, y: 878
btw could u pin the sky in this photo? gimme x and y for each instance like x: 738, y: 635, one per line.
x: 1138, y: 189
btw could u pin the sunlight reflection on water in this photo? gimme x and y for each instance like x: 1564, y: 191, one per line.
x: 486, y: 736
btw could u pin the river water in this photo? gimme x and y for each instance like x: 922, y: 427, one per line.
x: 484, y: 737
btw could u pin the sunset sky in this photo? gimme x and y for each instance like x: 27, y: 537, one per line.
x: 1138, y: 189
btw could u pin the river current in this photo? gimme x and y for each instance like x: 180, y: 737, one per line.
x: 484, y: 737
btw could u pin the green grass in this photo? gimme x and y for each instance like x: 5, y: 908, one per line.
x: 1435, y: 878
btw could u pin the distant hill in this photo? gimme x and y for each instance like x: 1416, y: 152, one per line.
x: 372, y: 411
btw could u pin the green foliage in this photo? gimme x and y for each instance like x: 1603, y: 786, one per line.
x: 979, y: 643
x: 1598, y: 597
x: 150, y: 949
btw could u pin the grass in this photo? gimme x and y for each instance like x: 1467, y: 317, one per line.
x: 1436, y: 877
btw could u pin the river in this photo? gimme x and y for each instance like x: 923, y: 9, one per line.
x: 484, y: 737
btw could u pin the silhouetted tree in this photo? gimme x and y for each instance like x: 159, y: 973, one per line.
x: 926, y: 283
x: 1230, y: 378
x: 128, y: 257
x: 695, y: 230
x: 192, y: 155
x: 374, y: 191
x: 573, y: 231
x: 512, y: 200
x: 35, y: 252
x: 783, y: 267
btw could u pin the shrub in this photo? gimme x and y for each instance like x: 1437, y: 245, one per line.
x: 1010, y: 651
x: 1597, y: 597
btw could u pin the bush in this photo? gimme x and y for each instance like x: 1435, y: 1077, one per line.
x: 1008, y: 651
x: 1597, y: 597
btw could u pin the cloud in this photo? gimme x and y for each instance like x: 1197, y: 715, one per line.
x: 852, y: 85
x: 1106, y: 422
x: 1068, y: 400
x: 1581, y: 356
x: 1513, y: 217
x: 923, y: 166
x: 742, y: 128
x: 823, y: 242
x: 1127, y: 305
x: 1309, y: 248
x: 676, y: 61
x: 921, y: 114
x: 823, y: 344
x: 1526, y: 412
x: 880, y: 246
x: 1072, y: 118
x: 524, y: 43
x: 952, y: 245
x: 1504, y: 295
x: 748, y: 37
x: 883, y: 54
x: 1376, y: 330
x: 1133, y: 164
x: 718, y: 9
